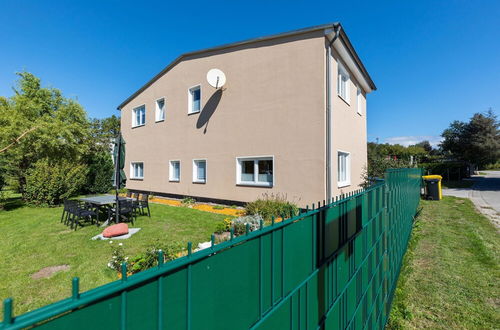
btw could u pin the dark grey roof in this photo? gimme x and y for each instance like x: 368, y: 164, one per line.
x: 343, y: 36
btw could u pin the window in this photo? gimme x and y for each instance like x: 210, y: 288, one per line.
x: 200, y: 171
x: 343, y: 83
x: 139, y: 116
x: 255, y: 171
x: 175, y: 171
x: 194, y: 101
x: 344, y: 169
x: 137, y: 170
x: 359, y: 101
x: 160, y: 110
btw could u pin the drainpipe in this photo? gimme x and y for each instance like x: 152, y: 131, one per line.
x: 329, y: 191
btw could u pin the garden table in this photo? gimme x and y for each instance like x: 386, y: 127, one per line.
x: 103, y: 201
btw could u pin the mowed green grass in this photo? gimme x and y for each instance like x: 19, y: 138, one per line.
x: 451, y: 275
x: 32, y: 238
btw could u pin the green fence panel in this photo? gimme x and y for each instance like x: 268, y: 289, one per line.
x: 334, y: 267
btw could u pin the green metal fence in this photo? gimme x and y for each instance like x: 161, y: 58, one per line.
x: 333, y: 266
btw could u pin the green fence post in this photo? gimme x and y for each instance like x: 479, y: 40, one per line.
x: 160, y: 258
x: 76, y: 288
x: 7, y: 311
x: 124, y: 271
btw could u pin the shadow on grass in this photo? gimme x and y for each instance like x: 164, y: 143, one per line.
x: 12, y: 203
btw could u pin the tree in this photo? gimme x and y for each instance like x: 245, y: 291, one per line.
x: 476, y: 142
x: 39, y: 123
x: 426, y: 145
x: 98, y: 158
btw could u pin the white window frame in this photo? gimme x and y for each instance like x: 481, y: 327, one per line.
x: 257, y: 183
x: 132, y: 172
x: 359, y: 99
x: 190, y: 99
x: 347, y: 182
x: 171, y: 171
x: 134, y: 116
x: 342, y: 72
x: 157, y: 110
x: 195, y: 170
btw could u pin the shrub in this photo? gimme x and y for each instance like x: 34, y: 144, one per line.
x: 271, y: 205
x: 188, y: 201
x: 50, y: 183
x: 145, y: 260
x: 99, y: 177
x: 218, y: 207
x: 448, y: 170
x: 223, y: 226
x: 240, y: 223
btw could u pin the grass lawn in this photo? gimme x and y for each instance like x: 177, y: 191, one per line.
x: 451, y: 273
x: 33, y: 238
x: 457, y: 183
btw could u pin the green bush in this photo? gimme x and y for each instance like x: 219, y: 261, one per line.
x: 146, y: 260
x: 271, y: 205
x: 448, y: 170
x: 223, y: 226
x: 100, y: 172
x: 494, y: 166
x: 50, y: 183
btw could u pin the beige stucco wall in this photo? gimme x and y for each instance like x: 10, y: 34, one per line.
x: 348, y: 131
x: 273, y: 104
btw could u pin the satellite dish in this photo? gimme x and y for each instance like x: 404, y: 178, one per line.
x: 216, y: 78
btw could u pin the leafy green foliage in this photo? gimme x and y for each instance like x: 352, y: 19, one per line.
x: 188, y: 201
x: 100, y: 171
x: 49, y: 183
x: 58, y: 127
x: 39, y: 123
x: 448, y: 170
x: 476, y: 142
x: 271, y: 205
x: 224, y: 226
x: 146, y: 259
x: 382, y: 157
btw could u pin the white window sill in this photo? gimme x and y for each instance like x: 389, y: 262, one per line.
x: 359, y: 113
x: 343, y: 184
x: 138, y: 125
x: 200, y: 181
x: 255, y: 184
x: 159, y: 120
x: 193, y: 112
x: 139, y: 179
x: 174, y: 180
x: 346, y: 102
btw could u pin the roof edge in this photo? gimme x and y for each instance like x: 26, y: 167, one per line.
x: 253, y: 40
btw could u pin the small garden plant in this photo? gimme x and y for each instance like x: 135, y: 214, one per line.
x: 145, y: 260
x: 188, y: 201
x: 272, y: 205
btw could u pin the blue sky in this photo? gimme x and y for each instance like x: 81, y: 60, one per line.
x: 432, y: 61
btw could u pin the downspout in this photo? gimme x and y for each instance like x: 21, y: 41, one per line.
x: 329, y: 191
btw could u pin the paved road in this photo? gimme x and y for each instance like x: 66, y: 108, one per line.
x: 487, y: 188
x: 485, y: 193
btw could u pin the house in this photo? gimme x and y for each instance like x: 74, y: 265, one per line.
x: 291, y: 119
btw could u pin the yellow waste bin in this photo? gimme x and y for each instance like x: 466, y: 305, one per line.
x: 433, y: 187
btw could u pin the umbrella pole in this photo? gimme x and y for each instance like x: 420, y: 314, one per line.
x: 117, y: 177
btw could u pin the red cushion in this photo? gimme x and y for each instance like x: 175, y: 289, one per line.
x: 116, y: 230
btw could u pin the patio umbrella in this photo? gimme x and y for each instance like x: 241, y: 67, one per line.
x: 119, y: 178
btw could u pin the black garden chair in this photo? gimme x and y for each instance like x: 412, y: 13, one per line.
x: 77, y: 211
x: 126, y: 210
x: 143, y: 204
